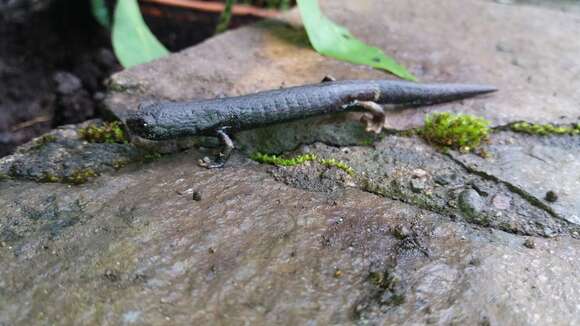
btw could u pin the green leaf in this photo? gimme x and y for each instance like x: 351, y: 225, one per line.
x: 335, y: 41
x: 133, y: 42
x: 101, y: 12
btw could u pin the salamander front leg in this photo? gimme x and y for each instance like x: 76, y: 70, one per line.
x: 223, y: 156
x: 375, y: 119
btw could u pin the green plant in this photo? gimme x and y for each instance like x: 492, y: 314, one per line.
x: 225, y: 17
x: 108, y: 132
x: 457, y: 131
x: 134, y: 43
x: 545, y: 129
x: 132, y: 40
x: 279, y: 161
x: 301, y: 159
x: 332, y: 40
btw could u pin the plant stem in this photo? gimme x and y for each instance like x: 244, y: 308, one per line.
x: 225, y: 17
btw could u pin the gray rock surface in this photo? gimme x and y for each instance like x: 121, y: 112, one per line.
x: 537, y: 165
x: 414, y: 236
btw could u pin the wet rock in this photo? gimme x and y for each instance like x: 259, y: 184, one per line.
x: 534, y: 166
x: 62, y: 156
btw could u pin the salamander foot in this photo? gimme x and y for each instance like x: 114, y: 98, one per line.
x: 223, y: 156
x: 375, y: 118
x: 328, y: 78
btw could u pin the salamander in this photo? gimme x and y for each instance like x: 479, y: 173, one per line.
x: 221, y: 116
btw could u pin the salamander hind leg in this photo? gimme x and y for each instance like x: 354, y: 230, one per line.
x: 375, y: 118
x: 223, y: 156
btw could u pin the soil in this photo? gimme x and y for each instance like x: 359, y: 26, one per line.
x: 54, y: 63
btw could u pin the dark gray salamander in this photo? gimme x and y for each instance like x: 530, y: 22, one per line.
x: 213, y: 117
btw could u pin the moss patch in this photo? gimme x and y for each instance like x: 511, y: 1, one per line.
x: 4, y: 176
x: 338, y: 164
x: 42, y: 141
x: 279, y: 161
x: 80, y: 176
x: 301, y: 159
x: 457, y: 131
x: 545, y: 129
x: 108, y: 132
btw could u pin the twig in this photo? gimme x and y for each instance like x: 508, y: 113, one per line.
x: 30, y: 123
x: 239, y: 10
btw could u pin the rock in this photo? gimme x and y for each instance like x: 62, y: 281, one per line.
x: 66, y: 83
x: 417, y: 185
x: 471, y: 202
x: 551, y: 196
x: 535, y: 165
x: 309, y: 244
x: 501, y: 201
x: 529, y: 243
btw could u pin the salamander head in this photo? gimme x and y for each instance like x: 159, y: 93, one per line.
x: 148, y: 122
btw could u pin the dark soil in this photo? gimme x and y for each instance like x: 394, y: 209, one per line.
x: 51, y: 69
x: 53, y: 63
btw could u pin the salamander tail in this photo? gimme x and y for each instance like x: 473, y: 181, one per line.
x: 425, y: 94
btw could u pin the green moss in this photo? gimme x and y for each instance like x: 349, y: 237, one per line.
x: 545, y: 129
x: 51, y: 178
x: 457, y: 131
x: 40, y: 142
x: 80, y: 176
x: 4, y: 176
x: 301, y: 159
x: 279, y: 161
x: 151, y: 156
x: 119, y: 164
x: 108, y: 132
x: 338, y: 164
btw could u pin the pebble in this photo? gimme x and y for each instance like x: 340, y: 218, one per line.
x: 530, y: 243
x: 66, y: 83
x: 417, y: 185
x: 551, y: 196
x: 471, y: 202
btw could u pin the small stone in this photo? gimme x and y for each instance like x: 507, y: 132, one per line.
x: 551, y: 196
x: 446, y: 179
x: 417, y: 185
x: 401, y: 232
x: 530, y: 243
x: 470, y: 202
x: 111, y: 275
x: 548, y: 232
x: 501, y: 201
x: 419, y: 173
x: 66, y: 82
x: 196, y: 195
x: 337, y: 273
